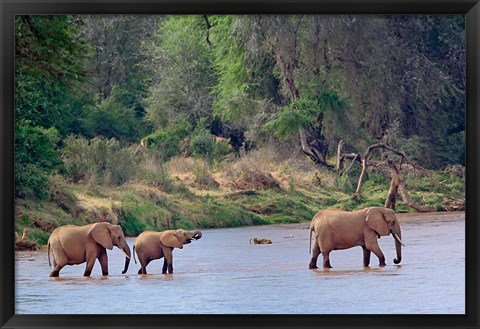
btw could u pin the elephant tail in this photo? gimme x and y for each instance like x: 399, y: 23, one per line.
x: 48, y: 253
x: 310, y: 240
x: 134, y: 259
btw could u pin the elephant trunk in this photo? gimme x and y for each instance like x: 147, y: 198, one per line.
x: 126, y: 250
x: 196, y: 235
x: 397, y: 235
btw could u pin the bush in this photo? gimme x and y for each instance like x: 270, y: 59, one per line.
x: 203, y: 177
x: 62, y: 196
x: 202, y: 145
x: 130, y: 224
x: 112, y: 119
x: 36, y: 157
x: 122, y: 165
x: 154, y: 172
x: 39, y: 237
x: 98, y: 160
x: 168, y: 140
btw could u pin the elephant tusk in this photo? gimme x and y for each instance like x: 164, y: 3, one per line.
x: 398, y: 239
x: 125, y: 253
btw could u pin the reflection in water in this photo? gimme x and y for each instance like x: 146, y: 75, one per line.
x: 223, y: 273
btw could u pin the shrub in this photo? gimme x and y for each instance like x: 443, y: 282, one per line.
x: 203, y: 177
x: 62, y: 196
x: 99, y: 160
x: 112, y: 119
x: 168, y: 140
x: 122, y: 166
x: 38, y: 236
x: 154, y: 172
x: 130, y: 224
x: 202, y: 145
x: 36, y: 157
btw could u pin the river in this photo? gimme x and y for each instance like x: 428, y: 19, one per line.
x: 222, y: 273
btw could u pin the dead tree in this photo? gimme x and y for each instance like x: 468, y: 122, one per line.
x: 339, y: 165
x: 393, y: 190
x: 341, y: 157
x: 398, y: 185
x: 365, y: 162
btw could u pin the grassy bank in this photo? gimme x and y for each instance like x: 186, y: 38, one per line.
x: 253, y: 190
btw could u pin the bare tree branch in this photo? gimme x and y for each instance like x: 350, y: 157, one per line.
x: 365, y: 163
x: 207, y: 33
x: 396, y: 185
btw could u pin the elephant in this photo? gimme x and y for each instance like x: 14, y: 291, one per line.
x: 151, y: 245
x: 337, y: 229
x: 72, y: 244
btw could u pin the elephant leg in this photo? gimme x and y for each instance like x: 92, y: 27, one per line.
x: 103, y: 259
x: 366, y: 256
x: 381, y: 257
x: 372, y: 244
x: 165, y: 266
x: 56, y: 271
x: 89, y: 266
x: 326, y: 258
x: 168, y: 260
x: 378, y: 252
x: 59, y: 262
x: 143, y: 263
x: 315, y: 252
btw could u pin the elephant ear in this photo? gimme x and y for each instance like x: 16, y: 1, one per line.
x: 376, y: 221
x: 171, y: 239
x: 101, y: 234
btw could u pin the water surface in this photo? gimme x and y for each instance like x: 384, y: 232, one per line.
x: 222, y: 273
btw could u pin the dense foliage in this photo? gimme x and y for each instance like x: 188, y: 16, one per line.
x: 114, y: 86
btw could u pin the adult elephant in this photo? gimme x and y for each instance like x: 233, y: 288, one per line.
x: 72, y: 244
x: 337, y: 229
x: 151, y: 245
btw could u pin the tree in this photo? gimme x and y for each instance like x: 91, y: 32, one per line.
x: 180, y: 61
x: 118, y: 75
x: 430, y: 66
x: 117, y: 42
x: 386, y: 70
x: 50, y: 72
x: 309, y: 82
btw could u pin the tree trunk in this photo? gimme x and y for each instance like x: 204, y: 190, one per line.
x: 317, y: 153
x: 367, y: 155
x: 393, y: 190
x: 361, y: 178
x: 340, y: 160
x: 396, y: 185
x: 408, y: 201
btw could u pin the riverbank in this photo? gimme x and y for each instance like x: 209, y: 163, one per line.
x: 219, y: 198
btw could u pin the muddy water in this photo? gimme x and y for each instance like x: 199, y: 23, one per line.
x: 222, y: 273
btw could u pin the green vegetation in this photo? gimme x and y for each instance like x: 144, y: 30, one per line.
x: 156, y: 122
x: 137, y: 206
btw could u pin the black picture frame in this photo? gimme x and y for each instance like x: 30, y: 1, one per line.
x: 10, y: 8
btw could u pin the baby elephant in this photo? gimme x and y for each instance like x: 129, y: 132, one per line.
x: 151, y: 245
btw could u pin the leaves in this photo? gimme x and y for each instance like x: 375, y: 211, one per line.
x: 362, y: 79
